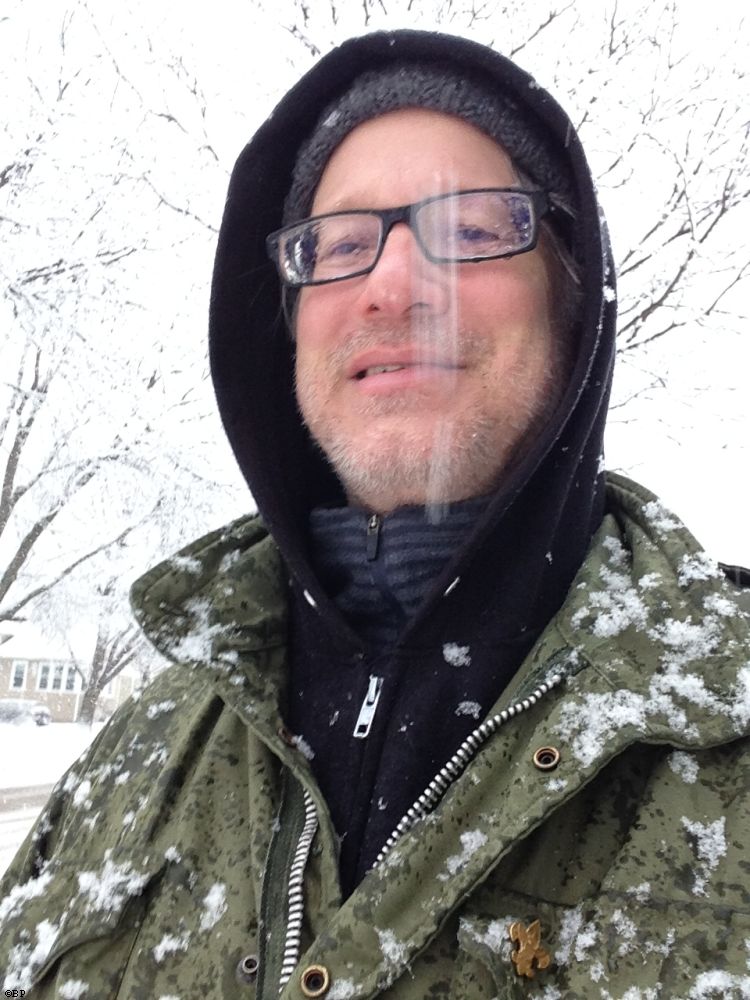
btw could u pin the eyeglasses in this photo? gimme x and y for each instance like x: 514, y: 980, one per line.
x: 461, y: 227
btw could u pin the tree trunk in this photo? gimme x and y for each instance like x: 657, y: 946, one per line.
x: 88, y: 705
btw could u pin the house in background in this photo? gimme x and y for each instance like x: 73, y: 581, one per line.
x: 36, y: 668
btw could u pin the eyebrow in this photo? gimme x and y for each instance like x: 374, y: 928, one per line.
x: 343, y: 205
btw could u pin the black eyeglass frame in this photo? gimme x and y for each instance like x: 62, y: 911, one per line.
x: 389, y: 217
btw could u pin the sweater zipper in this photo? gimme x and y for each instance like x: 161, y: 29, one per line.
x: 373, y: 536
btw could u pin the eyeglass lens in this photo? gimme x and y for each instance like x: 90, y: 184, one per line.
x: 466, y: 226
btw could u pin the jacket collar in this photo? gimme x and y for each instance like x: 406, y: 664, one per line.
x: 650, y: 616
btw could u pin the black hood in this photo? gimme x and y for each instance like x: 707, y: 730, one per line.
x: 536, y: 530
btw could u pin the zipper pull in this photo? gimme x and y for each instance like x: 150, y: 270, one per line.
x: 367, y: 711
x: 373, y: 536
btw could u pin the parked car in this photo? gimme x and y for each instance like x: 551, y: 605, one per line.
x: 17, y: 711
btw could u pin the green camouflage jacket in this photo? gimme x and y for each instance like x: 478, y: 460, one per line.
x: 589, y: 840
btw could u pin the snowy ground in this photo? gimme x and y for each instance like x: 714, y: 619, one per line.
x: 14, y: 826
x: 32, y: 756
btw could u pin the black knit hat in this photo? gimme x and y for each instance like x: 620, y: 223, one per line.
x: 424, y: 85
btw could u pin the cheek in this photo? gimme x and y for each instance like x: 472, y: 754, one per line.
x: 510, y: 302
x: 317, y: 311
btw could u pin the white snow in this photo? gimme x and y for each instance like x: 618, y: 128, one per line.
x: 170, y: 944
x: 641, y: 892
x: 81, y: 795
x: 684, y: 765
x: 470, y: 842
x: 740, y: 710
x: 39, y: 755
x: 457, y: 656
x: 472, y: 708
x: 569, y: 928
x: 661, y: 519
x: 158, y: 756
x: 710, y: 846
x: 716, y: 604
x: 394, y: 951
x: 342, y: 989
x: 585, y: 941
x: 596, y: 972
x: 699, y: 566
x: 494, y: 936
x: 720, y: 985
x: 619, y: 605
x: 198, y: 646
x: 587, y: 727
x: 627, y: 931
x: 73, y: 989
x: 215, y: 906
x: 556, y: 784
x: 160, y: 708
x: 187, y: 564
x: 109, y: 888
x: 19, y: 894
x: 687, y: 640
x: 24, y: 960
x: 303, y: 746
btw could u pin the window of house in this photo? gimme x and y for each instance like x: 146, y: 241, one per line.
x: 43, y: 683
x: 70, y: 678
x: 57, y: 677
x: 18, y: 676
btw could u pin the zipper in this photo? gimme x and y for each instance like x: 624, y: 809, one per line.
x: 295, y: 895
x: 426, y: 802
x: 458, y: 763
x: 373, y: 536
x: 367, y: 711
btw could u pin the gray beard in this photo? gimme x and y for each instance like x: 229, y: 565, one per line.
x: 466, y: 457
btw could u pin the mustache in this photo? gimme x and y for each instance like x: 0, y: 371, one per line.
x: 430, y: 340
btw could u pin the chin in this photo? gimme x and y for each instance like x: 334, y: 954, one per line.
x: 398, y: 468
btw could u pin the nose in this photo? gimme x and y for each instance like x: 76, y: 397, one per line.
x: 403, y: 281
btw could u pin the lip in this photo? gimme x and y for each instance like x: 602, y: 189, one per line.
x: 412, y: 361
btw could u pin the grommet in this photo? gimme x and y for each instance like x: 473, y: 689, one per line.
x: 315, y: 981
x: 546, y: 758
x: 286, y: 735
x: 247, y: 969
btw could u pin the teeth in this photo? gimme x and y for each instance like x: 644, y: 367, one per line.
x: 377, y: 369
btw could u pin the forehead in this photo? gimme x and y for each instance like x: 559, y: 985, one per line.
x: 406, y: 155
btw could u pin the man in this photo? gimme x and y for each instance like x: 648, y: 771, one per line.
x: 458, y: 715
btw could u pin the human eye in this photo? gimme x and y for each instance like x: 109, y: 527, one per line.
x: 471, y: 234
x: 343, y: 241
x: 490, y: 224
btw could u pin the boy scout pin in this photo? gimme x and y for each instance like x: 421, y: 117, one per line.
x: 528, y: 949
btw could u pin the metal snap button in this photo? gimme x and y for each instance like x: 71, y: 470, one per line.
x: 247, y: 969
x: 546, y: 758
x: 315, y: 981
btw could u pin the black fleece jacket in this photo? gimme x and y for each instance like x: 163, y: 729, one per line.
x: 497, y: 588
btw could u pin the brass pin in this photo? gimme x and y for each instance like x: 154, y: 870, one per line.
x: 529, y: 950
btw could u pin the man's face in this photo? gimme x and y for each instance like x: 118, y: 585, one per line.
x: 475, y: 338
